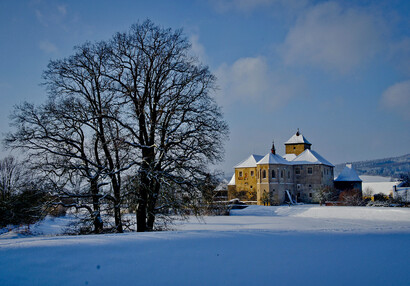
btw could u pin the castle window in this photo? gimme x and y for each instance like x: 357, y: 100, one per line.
x: 310, y: 170
x: 297, y: 171
x: 240, y: 174
x: 264, y: 174
x: 281, y: 173
x: 251, y: 173
x: 288, y: 174
x: 310, y: 195
x: 310, y: 186
x: 251, y: 187
x: 273, y: 174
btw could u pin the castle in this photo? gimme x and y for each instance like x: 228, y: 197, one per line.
x: 272, y: 179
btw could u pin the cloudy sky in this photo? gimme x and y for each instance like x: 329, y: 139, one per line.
x: 338, y: 70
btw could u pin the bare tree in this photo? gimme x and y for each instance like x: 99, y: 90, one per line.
x: 23, y: 196
x: 326, y: 193
x: 10, y: 176
x: 59, y: 148
x: 351, y: 197
x: 83, y: 77
x: 137, y: 102
x: 368, y: 194
x: 173, y: 121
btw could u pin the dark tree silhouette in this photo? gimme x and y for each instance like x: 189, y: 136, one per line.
x: 139, y: 106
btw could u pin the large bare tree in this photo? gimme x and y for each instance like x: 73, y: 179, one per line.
x: 173, y: 121
x: 140, y: 103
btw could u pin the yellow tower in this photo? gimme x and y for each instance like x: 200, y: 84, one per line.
x: 297, y: 144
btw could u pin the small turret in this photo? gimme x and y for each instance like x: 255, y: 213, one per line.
x: 273, y: 150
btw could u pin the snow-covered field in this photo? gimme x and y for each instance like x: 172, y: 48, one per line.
x: 299, y: 245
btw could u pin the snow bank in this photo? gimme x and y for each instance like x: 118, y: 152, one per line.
x: 328, y: 212
x: 300, y: 245
x: 207, y: 258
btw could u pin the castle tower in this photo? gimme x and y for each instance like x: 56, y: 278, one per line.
x: 297, y: 144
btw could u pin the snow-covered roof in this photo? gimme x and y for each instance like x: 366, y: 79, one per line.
x: 272, y: 159
x: 297, y: 139
x: 232, y: 181
x: 249, y: 162
x: 311, y: 157
x: 289, y: 157
x: 375, y: 179
x: 348, y: 175
x: 379, y: 187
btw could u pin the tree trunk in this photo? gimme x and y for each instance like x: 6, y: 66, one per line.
x: 98, y: 223
x: 148, y: 157
x: 117, y: 207
x: 142, y: 206
x: 152, y: 201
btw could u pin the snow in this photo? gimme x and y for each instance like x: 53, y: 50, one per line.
x: 378, y: 184
x: 307, y: 218
x: 232, y: 181
x: 289, y: 157
x: 348, y: 175
x: 297, y: 139
x: 311, y: 157
x: 380, y: 187
x: 272, y: 159
x: 298, y: 245
x: 375, y: 179
x: 250, y: 161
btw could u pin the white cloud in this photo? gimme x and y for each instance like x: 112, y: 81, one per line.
x: 397, y: 98
x: 250, y: 80
x: 332, y: 37
x: 47, y: 47
x: 197, y: 48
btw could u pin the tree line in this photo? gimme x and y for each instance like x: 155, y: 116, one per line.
x: 129, y: 123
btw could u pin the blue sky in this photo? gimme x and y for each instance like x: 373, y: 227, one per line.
x: 338, y: 70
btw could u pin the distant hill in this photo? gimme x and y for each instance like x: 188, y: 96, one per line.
x: 389, y: 167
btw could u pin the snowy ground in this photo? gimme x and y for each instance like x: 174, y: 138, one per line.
x: 302, y: 245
